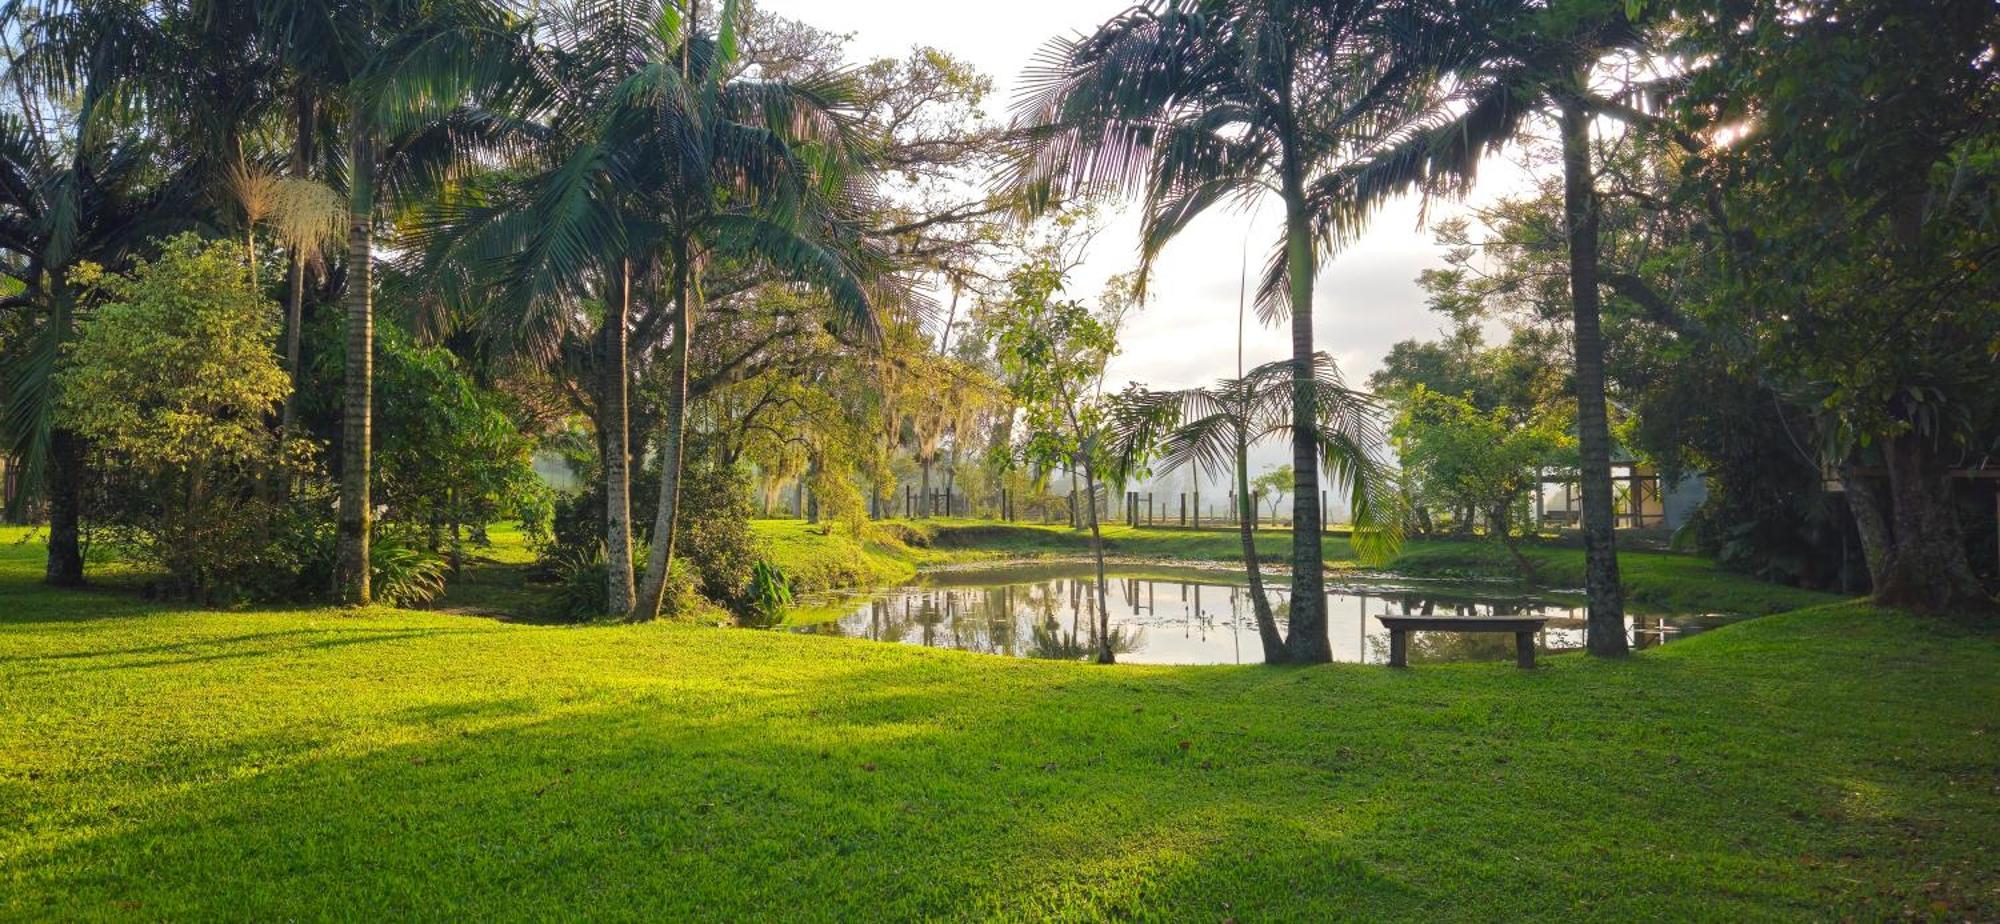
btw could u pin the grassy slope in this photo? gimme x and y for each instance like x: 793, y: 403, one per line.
x: 161, y: 764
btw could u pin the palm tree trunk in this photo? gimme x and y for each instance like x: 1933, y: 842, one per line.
x: 1275, y: 651
x: 1104, y: 653
x: 1308, y: 642
x: 653, y: 590
x: 295, y: 300
x: 65, y: 565
x: 1605, y: 625
x: 616, y: 420
x: 356, y: 507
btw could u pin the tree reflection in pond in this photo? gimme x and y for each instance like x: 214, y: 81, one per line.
x: 1197, y: 618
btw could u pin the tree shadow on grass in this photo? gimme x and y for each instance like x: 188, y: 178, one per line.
x: 666, y: 782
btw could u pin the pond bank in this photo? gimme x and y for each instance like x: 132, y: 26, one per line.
x: 896, y: 550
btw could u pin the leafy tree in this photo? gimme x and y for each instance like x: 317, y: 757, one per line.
x: 1855, y: 247
x: 1199, y: 103
x: 1053, y: 351
x: 170, y: 379
x: 1462, y: 458
x: 1272, y: 486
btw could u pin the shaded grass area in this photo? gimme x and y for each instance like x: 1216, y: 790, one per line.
x: 158, y: 763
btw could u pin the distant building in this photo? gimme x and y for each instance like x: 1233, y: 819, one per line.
x: 1638, y: 500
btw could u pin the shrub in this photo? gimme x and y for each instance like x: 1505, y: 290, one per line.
x: 170, y: 380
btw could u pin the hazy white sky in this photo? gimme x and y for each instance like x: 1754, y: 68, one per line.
x: 1365, y: 300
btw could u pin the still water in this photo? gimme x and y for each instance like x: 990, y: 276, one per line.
x: 1200, y: 618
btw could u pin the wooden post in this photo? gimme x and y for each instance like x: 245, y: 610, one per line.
x: 1539, y: 515
x: 1325, y: 524
x: 1524, y: 650
x: 1183, y: 508
x: 1149, y: 508
x: 1197, y: 510
x: 1399, y: 648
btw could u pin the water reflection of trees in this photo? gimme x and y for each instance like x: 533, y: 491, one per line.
x: 1050, y: 618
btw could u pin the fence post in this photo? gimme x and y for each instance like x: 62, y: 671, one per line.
x: 1197, y: 510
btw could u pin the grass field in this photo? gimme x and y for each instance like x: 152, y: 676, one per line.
x: 168, y: 764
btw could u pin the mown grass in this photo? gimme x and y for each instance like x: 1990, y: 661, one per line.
x: 162, y: 763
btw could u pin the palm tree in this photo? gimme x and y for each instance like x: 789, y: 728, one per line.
x: 1212, y: 429
x: 1198, y: 102
x: 1519, y: 59
x: 751, y: 171
x: 78, y: 184
x: 402, y: 70
x: 659, y: 165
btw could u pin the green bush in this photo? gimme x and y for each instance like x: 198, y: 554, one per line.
x: 171, y: 380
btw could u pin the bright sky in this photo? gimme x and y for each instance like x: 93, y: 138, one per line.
x: 1366, y: 298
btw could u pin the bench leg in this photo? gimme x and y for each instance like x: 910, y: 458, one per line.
x: 1524, y: 650
x: 1399, y: 648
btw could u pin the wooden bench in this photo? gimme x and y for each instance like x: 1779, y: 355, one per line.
x: 1523, y: 627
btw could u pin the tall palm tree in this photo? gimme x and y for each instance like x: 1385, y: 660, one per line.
x: 80, y: 182
x: 99, y: 203
x: 402, y: 70
x: 1517, y: 59
x: 662, y: 165
x: 752, y: 171
x: 1192, y: 103
x: 1212, y: 428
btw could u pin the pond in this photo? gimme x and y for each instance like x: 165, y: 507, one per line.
x: 1190, y: 616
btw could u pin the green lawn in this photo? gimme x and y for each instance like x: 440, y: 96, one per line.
x: 157, y: 763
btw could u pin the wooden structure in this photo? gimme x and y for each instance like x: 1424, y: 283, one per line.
x: 1523, y: 627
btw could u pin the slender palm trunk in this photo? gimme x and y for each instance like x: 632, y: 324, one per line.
x: 653, y: 590
x: 616, y: 421
x: 356, y: 506
x: 1605, y: 625
x: 1104, y: 653
x: 1275, y: 651
x: 295, y: 300
x: 1308, y: 642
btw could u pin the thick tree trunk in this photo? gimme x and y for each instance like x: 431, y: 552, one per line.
x: 1104, y: 652
x: 1928, y: 569
x: 1605, y: 625
x: 1307, y: 640
x: 1275, y: 651
x: 65, y: 565
x: 351, y: 577
x: 1871, y: 521
x: 653, y: 590
x: 615, y: 419
x: 65, y: 477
